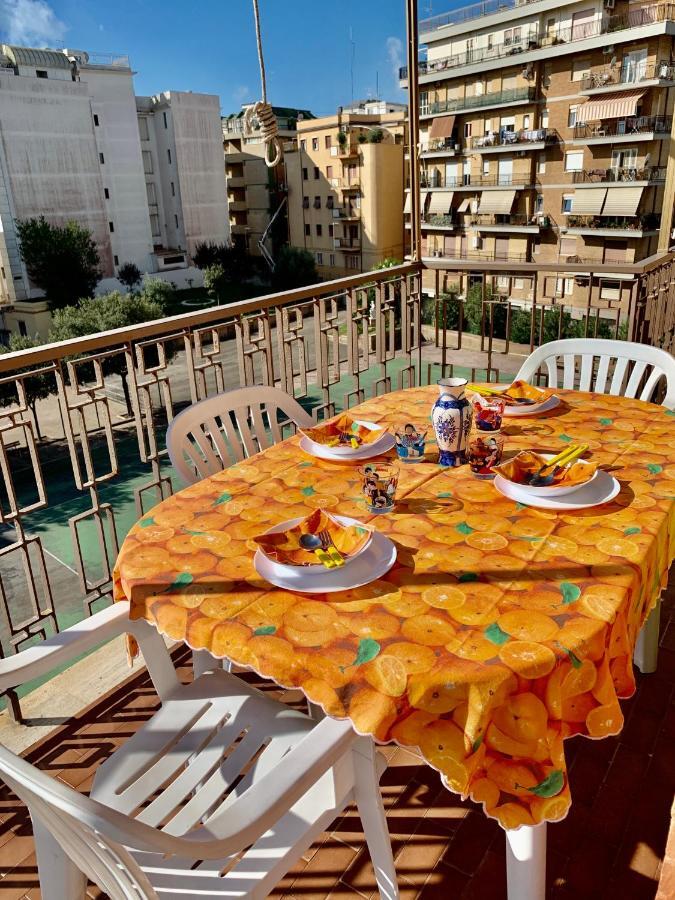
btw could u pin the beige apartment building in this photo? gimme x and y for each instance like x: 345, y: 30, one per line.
x: 545, y: 131
x: 255, y: 193
x: 345, y: 187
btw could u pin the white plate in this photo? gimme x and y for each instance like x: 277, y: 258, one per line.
x: 552, y: 490
x: 386, y: 442
x: 374, y: 562
x: 317, y: 567
x: 522, y: 410
x: 601, y: 490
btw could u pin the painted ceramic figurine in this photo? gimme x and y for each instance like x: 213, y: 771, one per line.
x: 451, y: 417
x: 410, y: 444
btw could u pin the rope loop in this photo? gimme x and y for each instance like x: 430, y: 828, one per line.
x: 267, y: 121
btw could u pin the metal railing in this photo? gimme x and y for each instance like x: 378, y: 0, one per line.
x: 648, y: 222
x: 514, y: 219
x: 629, y: 125
x: 628, y: 73
x: 534, y: 40
x: 622, y: 174
x: 467, y: 13
x: 441, y: 220
x: 439, y: 144
x: 440, y: 179
x: 481, y: 100
x: 518, y: 139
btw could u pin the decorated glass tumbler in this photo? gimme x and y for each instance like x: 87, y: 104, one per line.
x: 379, y: 486
x: 485, y: 452
x: 410, y: 441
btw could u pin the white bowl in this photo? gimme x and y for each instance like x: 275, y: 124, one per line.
x: 349, y: 451
x: 555, y: 490
x: 343, y: 520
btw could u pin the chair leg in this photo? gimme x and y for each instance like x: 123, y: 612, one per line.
x: 526, y: 863
x: 59, y: 876
x: 373, y: 819
x: 647, y: 646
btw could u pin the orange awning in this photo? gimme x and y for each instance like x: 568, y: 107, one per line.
x: 617, y: 106
x: 441, y: 127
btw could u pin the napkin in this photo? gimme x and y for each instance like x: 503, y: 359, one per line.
x: 524, y: 391
x: 522, y: 467
x: 340, y: 432
x: 284, y: 546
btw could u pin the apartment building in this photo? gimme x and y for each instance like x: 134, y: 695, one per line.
x: 545, y: 133
x: 254, y: 192
x: 345, y: 188
x: 71, y: 149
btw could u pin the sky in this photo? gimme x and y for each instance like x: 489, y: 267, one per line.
x: 209, y: 46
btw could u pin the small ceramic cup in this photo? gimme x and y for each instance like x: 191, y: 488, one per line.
x: 410, y: 441
x: 379, y: 482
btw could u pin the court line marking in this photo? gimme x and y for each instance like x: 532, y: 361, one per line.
x: 64, y: 564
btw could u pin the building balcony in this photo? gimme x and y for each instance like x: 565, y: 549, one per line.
x: 621, y: 175
x: 438, y: 220
x: 344, y: 151
x: 628, y: 130
x: 473, y: 182
x: 440, y: 147
x: 613, y: 226
x: 516, y: 96
x: 348, y: 186
x: 346, y: 213
x: 610, y: 78
x: 513, y: 223
x: 504, y: 141
x: 344, y: 243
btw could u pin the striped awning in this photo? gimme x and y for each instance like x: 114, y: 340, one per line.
x: 618, y: 106
x: 622, y: 201
x: 464, y: 205
x: 589, y: 202
x: 441, y: 127
x: 407, y: 206
x: 440, y: 202
x: 496, y: 201
x: 424, y: 195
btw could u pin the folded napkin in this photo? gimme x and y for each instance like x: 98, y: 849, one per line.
x: 284, y: 546
x: 341, y: 431
x: 523, y: 391
x: 522, y: 467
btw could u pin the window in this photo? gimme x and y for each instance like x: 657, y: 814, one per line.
x: 319, y: 259
x: 331, y: 259
x: 303, y: 144
x: 330, y: 201
x: 175, y: 219
x: 151, y: 189
x: 519, y: 283
x: 574, y: 160
x: 305, y: 202
x: 610, y: 290
x: 316, y: 173
x: 539, y: 203
x: 569, y: 287
x: 572, y: 116
x: 307, y: 229
x: 154, y: 224
x: 580, y: 67
x: 509, y: 83
x: 567, y: 202
x: 168, y: 155
x: 319, y: 230
x: 106, y: 193
x: 467, y: 129
x: 317, y: 203
x: 568, y: 246
x: 544, y: 118
x: 173, y: 189
x: 352, y: 262
x: 541, y: 165
x: 315, y: 143
x: 327, y: 142
x: 41, y: 73
x: 329, y: 171
x: 624, y: 159
x: 166, y: 124
x: 526, y: 121
x: 23, y: 331
x: 503, y: 282
x: 490, y: 41
x: 486, y: 167
x: 487, y: 126
x: 111, y: 227
x: 95, y: 120
x: 101, y: 158
x: 147, y: 162
x: 116, y: 260
x: 330, y: 231
x: 304, y: 174
x: 143, y: 129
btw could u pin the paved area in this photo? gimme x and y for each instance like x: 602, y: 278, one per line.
x: 610, y: 847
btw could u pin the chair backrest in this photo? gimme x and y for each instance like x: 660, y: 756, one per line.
x: 210, y: 435
x: 621, y: 368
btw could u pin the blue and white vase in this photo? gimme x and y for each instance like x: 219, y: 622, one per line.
x: 451, y: 417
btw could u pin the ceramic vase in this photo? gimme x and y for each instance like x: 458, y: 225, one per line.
x: 451, y: 417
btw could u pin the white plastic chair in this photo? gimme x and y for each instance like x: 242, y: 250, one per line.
x: 214, y: 433
x: 218, y: 795
x: 589, y: 364
x: 632, y: 370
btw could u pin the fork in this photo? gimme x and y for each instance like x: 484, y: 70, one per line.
x: 330, y: 548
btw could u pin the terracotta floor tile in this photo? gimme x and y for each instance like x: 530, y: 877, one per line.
x: 23, y: 878
x: 470, y: 843
x: 489, y: 882
x: 444, y: 882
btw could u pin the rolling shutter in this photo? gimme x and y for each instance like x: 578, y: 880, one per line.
x: 497, y: 202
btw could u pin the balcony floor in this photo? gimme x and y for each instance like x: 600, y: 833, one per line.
x: 610, y: 847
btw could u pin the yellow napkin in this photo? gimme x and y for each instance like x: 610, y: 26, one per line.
x: 284, y: 546
x: 524, y: 391
x: 341, y: 431
x: 522, y: 467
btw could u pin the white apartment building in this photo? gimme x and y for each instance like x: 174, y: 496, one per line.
x: 71, y: 148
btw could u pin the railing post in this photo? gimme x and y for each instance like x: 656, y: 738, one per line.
x: 413, y: 130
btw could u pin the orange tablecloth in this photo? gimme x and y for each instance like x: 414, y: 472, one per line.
x: 500, y: 631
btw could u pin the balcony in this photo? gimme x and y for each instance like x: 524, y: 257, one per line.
x: 343, y: 243
x: 440, y: 147
x: 621, y: 175
x: 482, y: 101
x: 515, y: 223
x: 467, y: 13
x: 347, y: 186
x: 438, y: 220
x: 346, y: 213
x: 471, y: 182
x: 346, y: 150
x: 621, y: 77
x: 615, y: 131
x: 613, y: 226
x: 503, y: 141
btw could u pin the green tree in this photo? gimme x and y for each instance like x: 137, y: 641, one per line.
x: 130, y: 275
x: 163, y: 293
x: 62, y: 261
x: 375, y: 136
x: 294, y: 268
x: 216, y: 281
x: 113, y: 310
x: 206, y: 254
x: 37, y: 387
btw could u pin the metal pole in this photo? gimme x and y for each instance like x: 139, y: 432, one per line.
x: 414, y: 130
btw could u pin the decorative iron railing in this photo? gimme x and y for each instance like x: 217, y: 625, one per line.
x: 652, y: 174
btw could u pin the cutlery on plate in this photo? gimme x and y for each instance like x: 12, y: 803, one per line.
x: 490, y: 392
x: 329, y: 547
x: 314, y: 544
x: 563, y: 462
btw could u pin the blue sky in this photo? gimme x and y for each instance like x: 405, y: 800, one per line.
x: 210, y: 45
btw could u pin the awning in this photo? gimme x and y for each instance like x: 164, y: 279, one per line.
x: 589, y: 201
x: 423, y: 200
x: 617, y: 106
x: 464, y: 205
x: 407, y: 206
x: 440, y: 202
x: 441, y: 127
x: 496, y: 201
x: 622, y: 201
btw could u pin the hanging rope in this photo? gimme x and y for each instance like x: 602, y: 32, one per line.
x: 262, y: 111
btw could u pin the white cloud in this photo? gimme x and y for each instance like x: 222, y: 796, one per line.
x: 31, y: 22
x: 395, y: 54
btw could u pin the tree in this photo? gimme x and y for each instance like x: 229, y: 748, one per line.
x: 215, y: 281
x: 375, y: 136
x: 294, y: 268
x: 37, y: 387
x: 206, y: 254
x: 62, y: 261
x: 130, y: 275
x: 113, y: 310
x: 233, y: 259
x: 161, y: 292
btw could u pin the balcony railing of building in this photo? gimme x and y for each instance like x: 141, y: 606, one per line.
x: 652, y: 174
x: 347, y: 212
x: 520, y: 138
x: 116, y: 60
x: 535, y: 39
x: 467, y: 13
x: 438, y: 145
x: 440, y: 179
x: 347, y: 243
x: 441, y: 220
x: 493, y: 98
x: 514, y: 219
x: 629, y: 73
x: 647, y: 222
x: 621, y: 127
